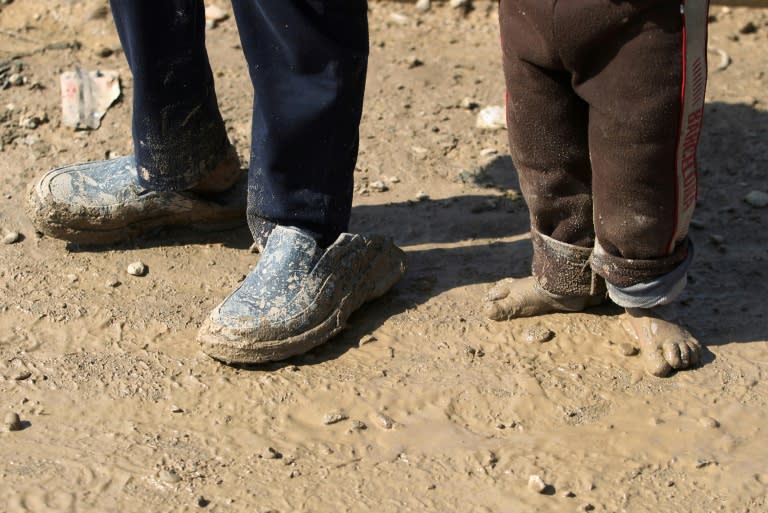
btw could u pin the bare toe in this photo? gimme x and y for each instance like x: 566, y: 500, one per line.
x: 656, y: 364
x: 696, y: 351
x: 499, y: 291
x: 671, y: 351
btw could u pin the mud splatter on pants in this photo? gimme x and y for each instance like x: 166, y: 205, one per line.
x: 307, y: 60
x: 604, y: 107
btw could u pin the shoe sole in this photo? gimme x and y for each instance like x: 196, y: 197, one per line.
x: 384, y: 270
x: 104, y: 225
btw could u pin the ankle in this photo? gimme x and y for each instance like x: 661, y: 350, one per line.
x: 225, y: 175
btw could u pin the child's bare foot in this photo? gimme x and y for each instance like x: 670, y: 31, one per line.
x: 225, y: 175
x: 522, y: 297
x: 664, y: 344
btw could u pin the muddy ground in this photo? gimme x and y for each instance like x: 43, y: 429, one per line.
x: 442, y: 409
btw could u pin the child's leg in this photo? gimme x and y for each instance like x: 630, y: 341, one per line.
x: 642, y: 69
x: 548, y: 141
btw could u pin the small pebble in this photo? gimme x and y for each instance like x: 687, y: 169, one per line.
x: 538, y: 333
x: 491, y: 118
x: 11, y: 238
x: 378, y: 186
x: 701, y: 463
x: 137, y: 269
x: 587, y: 507
x: 334, y: 417
x: 569, y: 494
x: 169, y: 476
x: 400, y: 19
x: 215, y: 14
x: 104, y: 51
x: 112, y: 283
x: 749, y: 28
x: 709, y: 422
x: 176, y: 409
x: 413, y: 62
x: 627, y: 349
x: 99, y: 13
x: 294, y: 473
x: 423, y: 5
x: 16, y: 79
x: 358, y: 425
x: 12, y: 422
x: 537, y: 484
x: 459, y: 3
x: 384, y: 421
x: 422, y: 196
x: 717, y: 239
x: 202, y: 501
x: 22, y: 375
x: 367, y: 339
x: 757, y: 199
x: 487, y: 152
x: 270, y: 454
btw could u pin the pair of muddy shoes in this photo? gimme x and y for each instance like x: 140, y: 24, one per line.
x: 664, y: 344
x: 297, y: 297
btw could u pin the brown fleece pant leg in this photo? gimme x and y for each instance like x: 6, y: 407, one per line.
x: 604, y: 111
x: 548, y: 143
x: 627, y: 61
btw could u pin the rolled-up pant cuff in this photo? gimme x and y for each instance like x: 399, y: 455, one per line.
x: 657, y: 291
x: 563, y: 269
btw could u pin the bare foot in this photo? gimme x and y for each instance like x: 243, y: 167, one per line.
x: 664, y: 344
x: 225, y: 175
x: 521, y: 297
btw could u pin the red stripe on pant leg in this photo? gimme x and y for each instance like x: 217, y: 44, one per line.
x: 693, y: 85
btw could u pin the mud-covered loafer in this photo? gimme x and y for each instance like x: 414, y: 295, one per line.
x: 299, y: 295
x: 102, y: 202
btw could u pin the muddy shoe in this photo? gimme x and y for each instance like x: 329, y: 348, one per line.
x: 299, y: 295
x: 102, y: 202
x: 664, y: 344
x: 513, y: 298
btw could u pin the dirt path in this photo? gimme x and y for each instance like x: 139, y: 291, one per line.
x: 442, y: 410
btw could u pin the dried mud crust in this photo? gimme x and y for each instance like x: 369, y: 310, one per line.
x: 346, y: 285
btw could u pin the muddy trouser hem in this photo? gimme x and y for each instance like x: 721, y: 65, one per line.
x: 307, y: 62
x: 178, y: 133
x: 660, y: 290
x: 563, y: 270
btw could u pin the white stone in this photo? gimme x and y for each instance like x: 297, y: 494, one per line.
x: 137, y: 269
x: 492, y: 118
x: 757, y: 199
x: 537, y: 484
x: 215, y: 14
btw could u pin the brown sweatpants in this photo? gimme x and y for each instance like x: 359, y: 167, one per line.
x: 604, y: 107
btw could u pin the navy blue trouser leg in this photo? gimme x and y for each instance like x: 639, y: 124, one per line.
x: 178, y: 133
x: 307, y: 60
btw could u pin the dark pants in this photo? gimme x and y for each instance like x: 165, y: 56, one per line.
x: 307, y: 60
x: 604, y: 111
